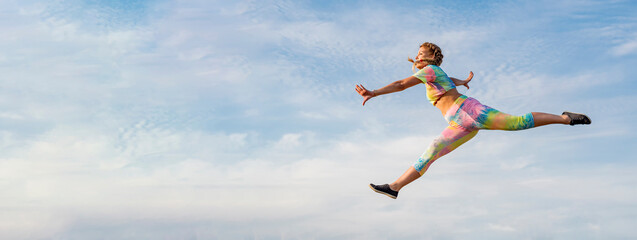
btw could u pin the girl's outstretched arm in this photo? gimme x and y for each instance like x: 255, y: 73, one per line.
x: 396, y: 86
x: 459, y: 82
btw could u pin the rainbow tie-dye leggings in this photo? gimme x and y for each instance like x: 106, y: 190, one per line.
x: 465, y: 118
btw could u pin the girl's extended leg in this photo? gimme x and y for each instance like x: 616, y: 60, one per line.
x: 473, y: 114
x: 496, y: 120
x: 484, y: 117
x: 451, y: 138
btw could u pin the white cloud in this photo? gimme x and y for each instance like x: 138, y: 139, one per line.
x: 288, y: 141
x: 626, y: 48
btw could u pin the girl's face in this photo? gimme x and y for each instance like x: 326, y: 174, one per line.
x: 423, y: 53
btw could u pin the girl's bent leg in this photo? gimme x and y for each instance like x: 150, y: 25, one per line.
x: 451, y: 138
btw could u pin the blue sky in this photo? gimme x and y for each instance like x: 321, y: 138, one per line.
x: 239, y: 120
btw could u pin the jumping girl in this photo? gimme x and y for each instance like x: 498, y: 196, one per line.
x: 465, y: 115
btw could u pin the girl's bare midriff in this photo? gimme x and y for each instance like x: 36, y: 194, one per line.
x: 447, y: 100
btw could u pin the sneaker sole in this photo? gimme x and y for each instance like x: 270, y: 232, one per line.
x: 381, y: 192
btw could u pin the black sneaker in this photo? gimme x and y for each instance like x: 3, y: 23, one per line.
x: 577, y: 118
x: 384, y: 189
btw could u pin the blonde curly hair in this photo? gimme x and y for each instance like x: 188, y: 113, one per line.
x: 435, y: 51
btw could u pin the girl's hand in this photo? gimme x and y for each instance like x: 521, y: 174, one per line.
x: 365, y: 93
x: 466, y: 81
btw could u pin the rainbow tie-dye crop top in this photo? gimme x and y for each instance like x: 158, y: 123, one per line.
x: 437, y: 81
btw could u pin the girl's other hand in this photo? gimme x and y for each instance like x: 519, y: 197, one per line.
x: 365, y: 93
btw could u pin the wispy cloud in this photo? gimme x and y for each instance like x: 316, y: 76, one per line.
x: 628, y: 47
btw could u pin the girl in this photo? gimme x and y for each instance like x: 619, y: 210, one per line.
x: 465, y: 115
